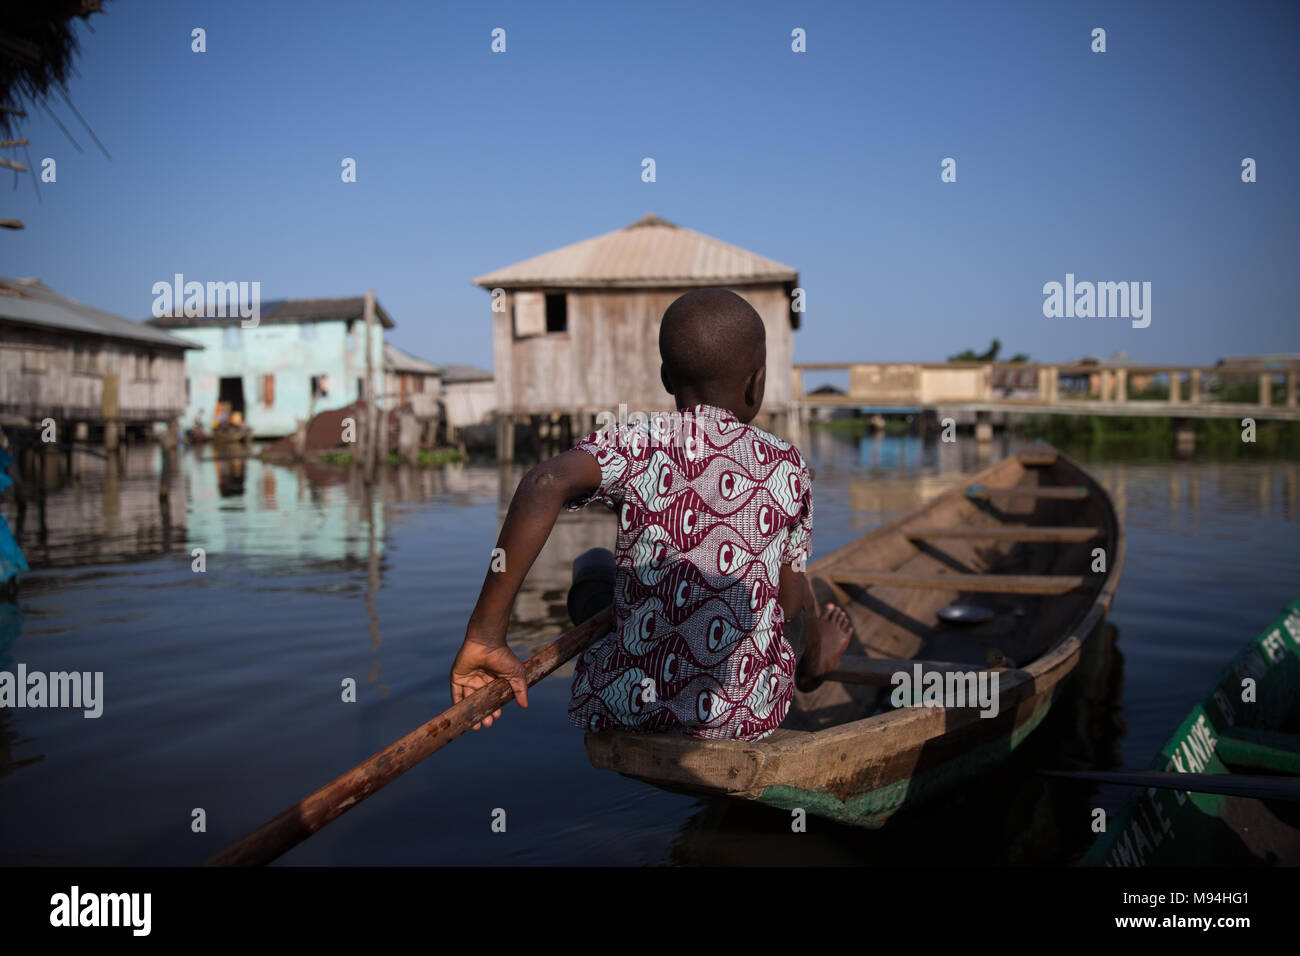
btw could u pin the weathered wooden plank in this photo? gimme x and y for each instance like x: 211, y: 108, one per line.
x: 985, y: 583
x: 680, y: 761
x: 880, y: 671
x: 1066, y: 492
x: 1037, y: 459
x: 1049, y: 533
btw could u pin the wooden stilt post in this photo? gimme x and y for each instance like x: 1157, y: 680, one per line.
x: 505, y: 438
x: 781, y: 424
x: 81, y: 433
x: 165, y: 476
x: 368, y: 469
x: 408, y: 437
x: 66, y: 434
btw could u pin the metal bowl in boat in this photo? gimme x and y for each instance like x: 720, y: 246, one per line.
x: 965, y: 614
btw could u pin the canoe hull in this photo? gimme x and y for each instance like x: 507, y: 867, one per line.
x: 860, y: 774
x: 874, y: 798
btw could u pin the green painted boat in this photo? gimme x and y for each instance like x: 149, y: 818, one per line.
x: 1034, y: 539
x: 1246, y: 726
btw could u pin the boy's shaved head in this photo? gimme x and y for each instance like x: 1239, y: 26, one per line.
x: 711, y: 340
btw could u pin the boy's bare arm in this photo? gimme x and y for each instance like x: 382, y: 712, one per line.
x: 536, y: 504
x: 791, y: 586
x: 795, y: 593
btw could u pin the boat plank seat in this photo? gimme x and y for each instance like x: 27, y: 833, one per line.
x: 880, y: 671
x: 1054, y: 534
x: 1037, y: 459
x: 1062, y: 492
x: 982, y: 583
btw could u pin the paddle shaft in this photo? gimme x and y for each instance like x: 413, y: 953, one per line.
x: 1225, y: 784
x: 280, y: 834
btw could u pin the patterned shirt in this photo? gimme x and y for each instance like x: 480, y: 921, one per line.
x: 708, y: 510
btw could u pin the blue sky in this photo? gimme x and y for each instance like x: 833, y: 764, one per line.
x: 1122, y: 166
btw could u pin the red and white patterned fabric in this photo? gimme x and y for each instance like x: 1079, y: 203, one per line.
x: 708, y: 510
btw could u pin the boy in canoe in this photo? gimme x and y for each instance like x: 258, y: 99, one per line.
x: 714, y: 531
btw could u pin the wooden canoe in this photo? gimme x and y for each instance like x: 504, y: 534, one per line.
x: 1020, y: 539
x: 1224, y: 734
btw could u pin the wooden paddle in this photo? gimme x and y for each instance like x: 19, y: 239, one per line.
x: 1227, y: 784
x: 279, y: 835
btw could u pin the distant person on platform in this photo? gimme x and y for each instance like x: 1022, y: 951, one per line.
x: 714, y: 532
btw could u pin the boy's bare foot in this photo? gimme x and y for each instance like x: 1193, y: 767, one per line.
x: 827, y: 641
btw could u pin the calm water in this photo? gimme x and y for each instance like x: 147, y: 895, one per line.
x: 222, y: 688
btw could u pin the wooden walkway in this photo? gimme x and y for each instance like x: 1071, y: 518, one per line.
x: 1037, y: 389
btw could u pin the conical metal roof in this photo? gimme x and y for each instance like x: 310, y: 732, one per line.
x: 651, y: 252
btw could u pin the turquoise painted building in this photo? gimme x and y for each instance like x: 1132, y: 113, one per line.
x: 304, y: 356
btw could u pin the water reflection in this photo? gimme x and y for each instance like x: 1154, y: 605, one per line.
x: 313, y: 575
x: 112, y: 511
x: 11, y: 625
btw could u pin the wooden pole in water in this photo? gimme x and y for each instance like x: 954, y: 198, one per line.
x: 277, y: 836
x: 368, y: 467
x: 383, y: 424
x: 1255, y: 786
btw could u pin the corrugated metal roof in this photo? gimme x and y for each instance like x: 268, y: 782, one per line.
x: 395, y: 360
x: 287, y: 311
x: 31, y: 302
x: 649, y: 253
x: 464, y: 373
